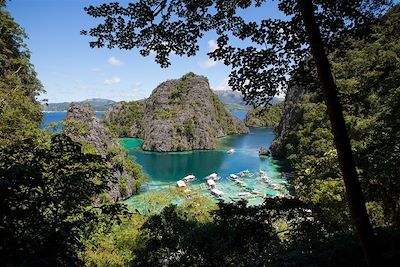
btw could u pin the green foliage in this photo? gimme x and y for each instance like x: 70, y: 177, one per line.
x: 127, y: 120
x: 166, y: 114
x: 265, y: 116
x: 46, y: 197
x: 368, y: 79
x: 20, y: 113
x: 75, y: 127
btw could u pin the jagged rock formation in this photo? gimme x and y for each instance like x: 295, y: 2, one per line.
x: 180, y: 115
x: 126, y: 119
x: 264, y: 116
x: 82, y: 125
x: 185, y: 114
x: 289, y: 118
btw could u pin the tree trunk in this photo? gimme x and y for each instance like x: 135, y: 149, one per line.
x: 355, y: 196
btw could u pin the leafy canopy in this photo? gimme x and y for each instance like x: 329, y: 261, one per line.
x: 258, y: 70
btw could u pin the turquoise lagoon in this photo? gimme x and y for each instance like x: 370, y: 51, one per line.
x: 165, y: 169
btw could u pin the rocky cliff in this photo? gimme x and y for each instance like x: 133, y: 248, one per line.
x: 289, y: 118
x: 180, y: 115
x: 264, y: 116
x: 82, y: 125
x: 185, y: 114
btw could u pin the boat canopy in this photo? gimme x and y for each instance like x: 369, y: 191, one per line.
x: 213, y: 176
x: 189, y: 178
x: 211, y: 182
x: 180, y: 183
x: 217, y: 192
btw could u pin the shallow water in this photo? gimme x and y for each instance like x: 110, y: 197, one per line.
x: 166, y: 168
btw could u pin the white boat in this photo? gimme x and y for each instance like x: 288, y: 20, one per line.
x: 211, y: 183
x: 276, y: 187
x: 231, y: 151
x: 245, y: 173
x: 233, y: 177
x: 181, y: 183
x: 241, y: 183
x: 244, y: 195
x: 217, y: 192
x: 189, y: 178
x: 212, y: 176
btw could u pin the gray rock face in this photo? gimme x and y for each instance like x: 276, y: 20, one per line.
x: 185, y: 114
x: 263, y: 151
x: 82, y: 125
x: 289, y: 118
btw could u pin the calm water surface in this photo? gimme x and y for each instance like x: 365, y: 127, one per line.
x: 57, y: 116
x: 165, y: 169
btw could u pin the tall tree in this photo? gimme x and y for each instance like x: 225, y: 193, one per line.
x: 310, y: 29
x: 20, y: 113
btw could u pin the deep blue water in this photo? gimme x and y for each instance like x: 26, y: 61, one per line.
x: 57, y: 116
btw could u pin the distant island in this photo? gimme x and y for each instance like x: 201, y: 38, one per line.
x: 98, y: 104
x: 232, y: 100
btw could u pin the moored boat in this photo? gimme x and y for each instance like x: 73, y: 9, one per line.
x: 213, y: 176
x: 181, y: 183
x: 189, y: 178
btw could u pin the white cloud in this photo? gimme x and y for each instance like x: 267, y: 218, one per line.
x: 115, y: 62
x: 209, y: 63
x: 113, y: 80
x: 223, y: 85
x: 212, y: 45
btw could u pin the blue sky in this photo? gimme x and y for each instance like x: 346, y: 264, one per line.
x: 71, y: 71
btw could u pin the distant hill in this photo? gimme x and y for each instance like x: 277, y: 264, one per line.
x: 97, y: 104
x: 233, y: 100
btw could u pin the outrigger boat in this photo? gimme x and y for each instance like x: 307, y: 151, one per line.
x: 212, y: 176
x: 245, y: 195
x: 180, y: 183
x: 211, y: 183
x: 231, y: 151
x: 245, y: 173
x: 189, y: 178
x: 233, y: 177
x: 216, y: 192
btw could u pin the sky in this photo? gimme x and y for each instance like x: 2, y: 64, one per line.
x: 72, y: 71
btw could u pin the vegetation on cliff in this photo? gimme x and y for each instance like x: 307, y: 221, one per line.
x: 368, y: 79
x: 183, y: 114
x: 82, y: 125
x: 126, y: 119
x: 269, y: 116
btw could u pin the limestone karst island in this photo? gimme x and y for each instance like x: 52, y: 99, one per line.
x: 199, y: 133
